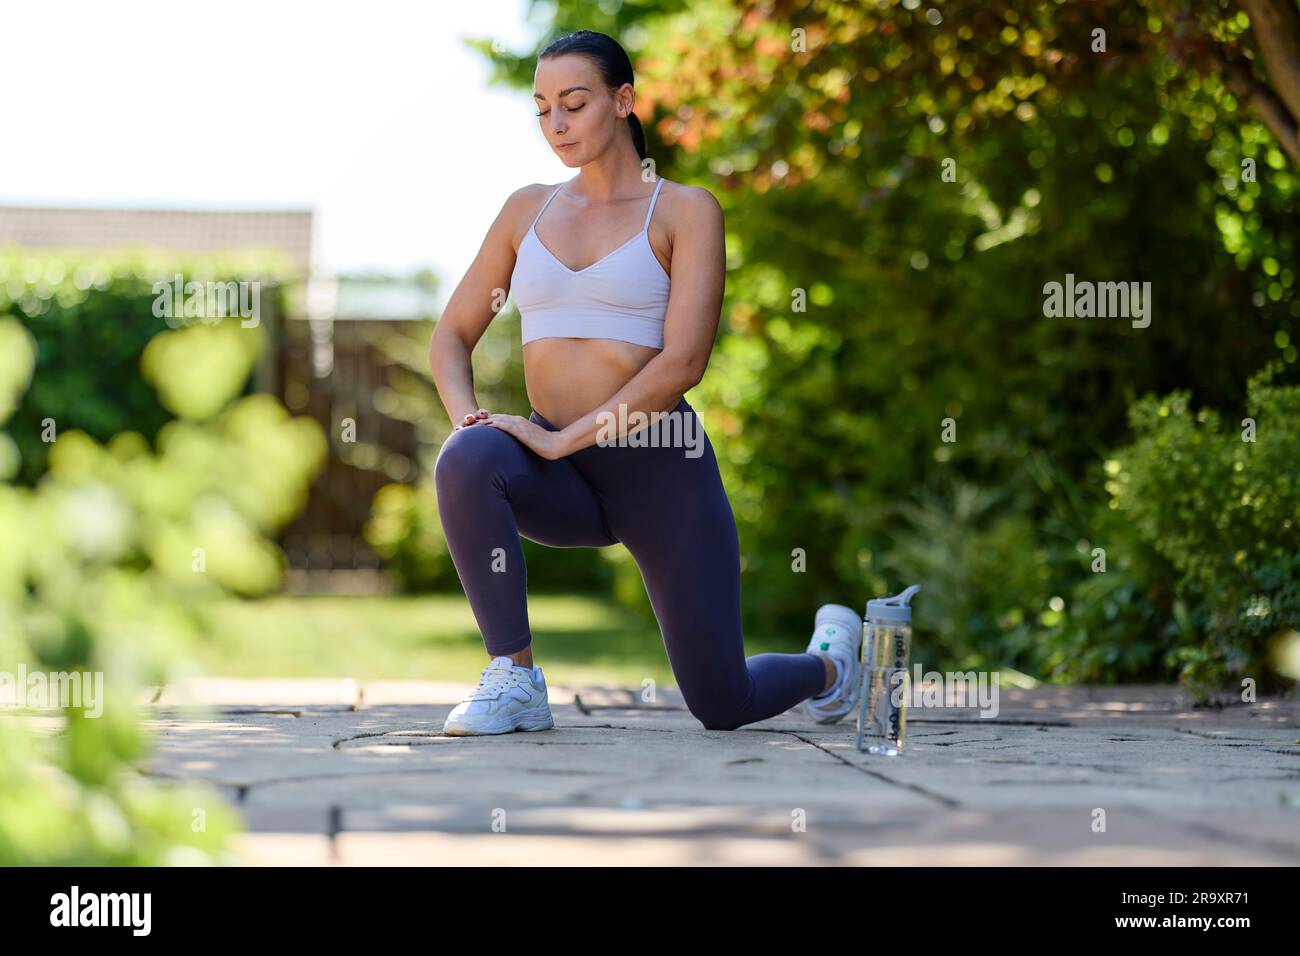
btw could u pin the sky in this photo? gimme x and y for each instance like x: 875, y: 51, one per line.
x: 374, y: 115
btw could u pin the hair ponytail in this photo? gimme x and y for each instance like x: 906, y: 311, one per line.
x: 638, y: 134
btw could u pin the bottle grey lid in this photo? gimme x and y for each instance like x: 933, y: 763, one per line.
x: 894, y: 608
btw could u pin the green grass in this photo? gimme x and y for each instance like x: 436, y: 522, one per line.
x: 577, y: 639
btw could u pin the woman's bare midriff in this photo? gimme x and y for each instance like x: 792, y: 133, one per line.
x: 567, y: 378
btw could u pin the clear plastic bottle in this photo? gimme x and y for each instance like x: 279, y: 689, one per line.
x: 887, y: 650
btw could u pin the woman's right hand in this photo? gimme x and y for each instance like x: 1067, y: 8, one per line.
x: 471, y: 419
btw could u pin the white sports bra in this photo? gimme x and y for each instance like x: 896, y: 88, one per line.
x: 621, y: 296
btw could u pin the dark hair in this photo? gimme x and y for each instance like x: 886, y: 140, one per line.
x: 612, y: 61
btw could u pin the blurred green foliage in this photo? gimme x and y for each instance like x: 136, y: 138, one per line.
x: 91, y: 313
x: 111, y: 553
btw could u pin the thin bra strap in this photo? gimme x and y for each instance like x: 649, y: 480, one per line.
x: 651, y: 211
x: 547, y: 203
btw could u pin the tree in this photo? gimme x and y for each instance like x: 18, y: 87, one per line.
x: 1256, y: 52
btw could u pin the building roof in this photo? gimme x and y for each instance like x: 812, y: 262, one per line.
x: 188, y: 230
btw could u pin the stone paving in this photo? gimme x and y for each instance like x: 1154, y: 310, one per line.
x: 339, y: 772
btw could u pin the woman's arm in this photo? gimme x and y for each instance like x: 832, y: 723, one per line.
x: 699, y: 263
x: 471, y: 308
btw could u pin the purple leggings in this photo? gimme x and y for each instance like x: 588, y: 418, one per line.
x: 668, y: 509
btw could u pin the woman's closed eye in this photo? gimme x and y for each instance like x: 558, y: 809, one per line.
x: 571, y: 110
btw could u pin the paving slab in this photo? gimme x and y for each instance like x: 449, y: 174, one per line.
x: 359, y: 773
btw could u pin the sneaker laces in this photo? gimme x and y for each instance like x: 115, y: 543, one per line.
x: 493, y: 681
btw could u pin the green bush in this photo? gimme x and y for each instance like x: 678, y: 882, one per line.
x: 1119, y: 616
x: 984, y: 575
x: 1220, y: 504
x: 91, y: 317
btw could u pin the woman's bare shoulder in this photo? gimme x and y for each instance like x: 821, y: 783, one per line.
x: 688, y: 206
x: 682, y: 196
x: 530, y: 196
x: 521, y: 206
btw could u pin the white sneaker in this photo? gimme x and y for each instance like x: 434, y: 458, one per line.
x: 837, y: 634
x: 508, y: 698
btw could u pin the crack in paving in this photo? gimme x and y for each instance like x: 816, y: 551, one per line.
x: 1100, y: 768
x: 338, y: 744
x: 566, y: 771
x: 1269, y: 750
x: 1206, y: 735
x: 990, y: 722
x: 241, y: 789
x: 245, y: 787
x: 960, y: 743
x: 648, y: 730
x: 1241, y: 742
x: 948, y: 802
x: 397, y: 733
x: 569, y: 743
x: 1077, y: 782
x: 587, y: 709
x: 179, y: 713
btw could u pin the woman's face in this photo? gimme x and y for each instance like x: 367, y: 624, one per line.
x: 576, y: 109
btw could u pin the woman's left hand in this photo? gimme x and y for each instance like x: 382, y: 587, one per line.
x: 545, y: 443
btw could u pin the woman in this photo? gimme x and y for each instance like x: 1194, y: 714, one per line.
x: 604, y: 339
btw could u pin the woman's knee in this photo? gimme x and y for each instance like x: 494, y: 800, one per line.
x: 715, y: 718
x: 471, y: 456
x: 719, y: 712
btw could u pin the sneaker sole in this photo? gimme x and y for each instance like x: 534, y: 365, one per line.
x: 848, y: 705
x: 538, y: 718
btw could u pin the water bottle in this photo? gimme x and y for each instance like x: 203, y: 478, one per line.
x: 886, y: 650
